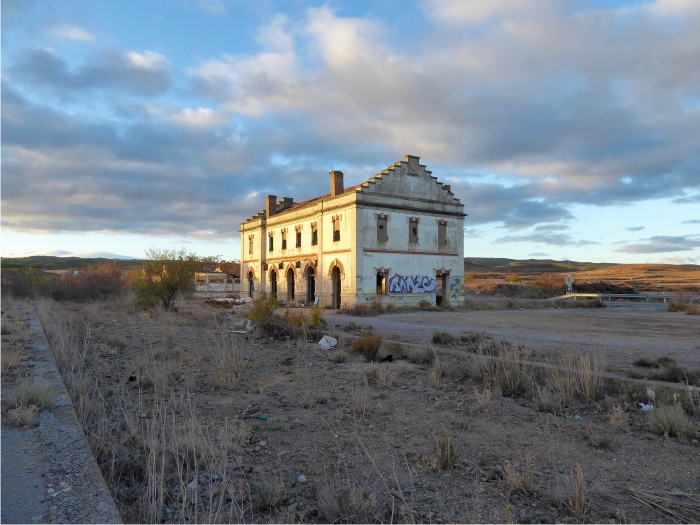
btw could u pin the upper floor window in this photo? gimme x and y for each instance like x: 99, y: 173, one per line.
x: 382, y: 234
x: 412, y: 229
x: 442, y: 232
x: 314, y: 235
x: 284, y: 240
x: 336, y: 229
x: 298, y: 238
x: 250, y: 245
x: 272, y: 243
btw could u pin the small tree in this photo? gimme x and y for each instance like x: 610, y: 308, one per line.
x: 163, y: 276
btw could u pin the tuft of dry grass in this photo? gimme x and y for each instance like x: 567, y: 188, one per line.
x: 518, y: 476
x: 342, y: 504
x: 578, y: 376
x: 11, y: 361
x: 545, y: 400
x: 21, y: 416
x: 418, y: 355
x: 339, y: 356
x: 360, y: 402
x: 32, y: 394
x: 445, y: 451
x: 436, y: 373
x: 380, y: 376
x: 677, y: 304
x: 619, y: 419
x: 367, y: 346
x: 482, y: 399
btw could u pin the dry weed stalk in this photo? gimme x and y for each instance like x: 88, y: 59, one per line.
x: 576, y: 485
x: 482, y: 399
x: 619, y: 419
x: 518, y: 477
x: 436, y: 373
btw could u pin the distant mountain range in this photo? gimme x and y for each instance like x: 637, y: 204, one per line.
x: 52, y: 262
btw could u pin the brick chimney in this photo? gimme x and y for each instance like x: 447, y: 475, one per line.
x: 336, y: 183
x: 271, y: 205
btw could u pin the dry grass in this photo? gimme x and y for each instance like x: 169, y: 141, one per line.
x: 545, y: 400
x: 577, y: 491
x: 518, y: 476
x: 360, y: 402
x: 21, y: 416
x: 32, y: 394
x: 418, y: 355
x: 482, y: 399
x: 436, y: 373
x: 11, y: 360
x: 367, y: 346
x: 578, y: 376
x: 619, y: 419
x: 445, y: 451
x: 379, y: 376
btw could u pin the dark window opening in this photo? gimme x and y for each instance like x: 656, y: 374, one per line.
x: 382, y: 234
x: 250, y: 245
x: 272, y: 243
x: 442, y: 234
x: 284, y: 241
x: 412, y: 230
x: 381, y: 284
x: 314, y: 237
x: 336, y: 231
x: 298, y: 238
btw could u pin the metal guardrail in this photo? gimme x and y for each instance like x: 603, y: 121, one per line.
x: 648, y: 297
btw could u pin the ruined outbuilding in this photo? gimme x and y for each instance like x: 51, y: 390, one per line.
x: 396, y: 238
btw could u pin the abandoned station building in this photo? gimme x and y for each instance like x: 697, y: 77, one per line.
x: 396, y: 238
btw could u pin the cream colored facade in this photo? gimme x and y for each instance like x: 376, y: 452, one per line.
x: 397, y: 238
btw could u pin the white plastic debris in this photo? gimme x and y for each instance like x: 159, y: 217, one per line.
x: 327, y: 342
x: 249, y: 326
x: 645, y: 407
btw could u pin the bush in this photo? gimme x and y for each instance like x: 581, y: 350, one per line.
x: 166, y: 274
x: 317, y: 316
x: 514, y: 278
x: 368, y: 346
x: 418, y: 355
x: 32, y: 394
x: 671, y: 420
x: 677, y: 304
x: 263, y: 308
x: 442, y: 338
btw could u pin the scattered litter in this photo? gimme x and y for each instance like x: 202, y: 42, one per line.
x: 575, y: 417
x: 292, y: 304
x: 301, y: 479
x: 227, y: 302
x: 645, y: 407
x: 327, y: 342
x: 262, y: 418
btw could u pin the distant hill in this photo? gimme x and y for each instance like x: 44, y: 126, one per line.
x: 50, y: 262
x: 528, y: 266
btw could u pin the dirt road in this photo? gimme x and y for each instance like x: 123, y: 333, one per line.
x: 626, y: 333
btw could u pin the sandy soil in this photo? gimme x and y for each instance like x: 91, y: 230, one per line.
x: 356, y: 442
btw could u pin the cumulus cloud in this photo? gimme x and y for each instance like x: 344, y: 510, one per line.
x: 663, y: 243
x: 72, y: 32
x: 146, y: 73
x: 525, y: 106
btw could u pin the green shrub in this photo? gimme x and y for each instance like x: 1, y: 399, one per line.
x: 671, y: 420
x: 165, y: 274
x: 263, y: 308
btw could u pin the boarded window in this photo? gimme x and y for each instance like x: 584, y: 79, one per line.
x: 314, y: 236
x: 382, y: 235
x: 412, y: 230
x: 272, y: 243
x: 442, y: 233
x: 298, y: 238
x: 284, y: 240
x: 336, y: 230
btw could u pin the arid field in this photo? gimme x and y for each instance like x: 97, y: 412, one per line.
x: 191, y: 422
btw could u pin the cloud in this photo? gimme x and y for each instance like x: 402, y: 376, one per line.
x: 691, y: 221
x: 555, y: 239
x: 146, y: 73
x: 525, y: 107
x: 71, y: 32
x: 634, y: 228
x: 662, y: 244
x: 538, y: 254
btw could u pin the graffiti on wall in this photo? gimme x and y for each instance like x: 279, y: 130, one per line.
x: 411, y: 284
x: 366, y: 284
x: 456, y: 287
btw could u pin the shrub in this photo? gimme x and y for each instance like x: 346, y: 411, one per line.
x: 165, y: 274
x: 546, y: 401
x: 551, y: 286
x: 671, y: 420
x: 263, y: 308
x: 368, y: 346
x: 418, y: 355
x: 32, y: 394
x: 269, y: 493
x: 619, y: 419
x: 518, y: 477
x: 514, y: 278
x: 317, y: 316
x: 343, y: 505
x: 443, y: 338
x: 677, y: 304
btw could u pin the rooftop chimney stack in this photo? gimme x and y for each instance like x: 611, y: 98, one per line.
x: 336, y: 183
x: 271, y: 205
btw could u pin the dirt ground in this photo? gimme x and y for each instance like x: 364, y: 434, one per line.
x: 279, y: 432
x: 625, y: 333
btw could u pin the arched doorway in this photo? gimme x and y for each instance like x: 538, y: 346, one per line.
x: 273, y: 283
x: 290, y: 284
x: 335, y: 279
x: 251, y: 284
x: 310, y: 286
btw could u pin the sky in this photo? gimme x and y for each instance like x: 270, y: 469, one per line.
x: 568, y: 129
